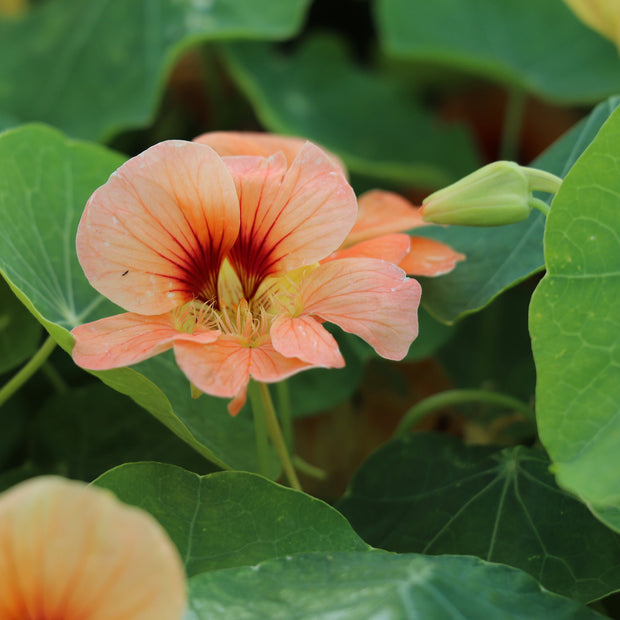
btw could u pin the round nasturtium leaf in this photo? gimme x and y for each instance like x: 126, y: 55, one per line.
x: 430, y: 493
x: 230, y: 518
x: 358, y: 586
x: 575, y: 328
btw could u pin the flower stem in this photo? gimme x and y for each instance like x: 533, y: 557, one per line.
x: 457, y: 397
x: 260, y: 429
x: 36, y: 361
x: 286, y: 418
x: 277, y: 439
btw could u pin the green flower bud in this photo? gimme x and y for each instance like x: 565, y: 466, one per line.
x: 497, y: 194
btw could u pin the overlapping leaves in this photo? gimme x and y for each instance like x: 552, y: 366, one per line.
x: 368, y: 119
x: 93, y: 68
x: 540, y: 47
x: 432, y: 494
x: 230, y: 518
x: 358, y: 586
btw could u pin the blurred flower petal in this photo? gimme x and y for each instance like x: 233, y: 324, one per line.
x: 71, y: 551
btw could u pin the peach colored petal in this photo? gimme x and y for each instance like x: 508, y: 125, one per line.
x: 129, y: 338
x: 305, y: 338
x: 270, y: 366
x: 429, y: 257
x: 392, y: 248
x: 383, y: 213
x: 224, y: 367
x: 288, y: 219
x: 367, y: 297
x: 153, y: 237
x: 221, y: 368
x: 71, y: 551
x: 227, y: 143
x: 236, y: 404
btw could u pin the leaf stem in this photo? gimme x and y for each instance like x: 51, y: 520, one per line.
x: 308, y: 468
x: 513, y: 122
x: 457, y: 397
x: 260, y: 429
x: 55, y: 378
x: 541, y: 205
x: 35, y: 362
x: 277, y: 439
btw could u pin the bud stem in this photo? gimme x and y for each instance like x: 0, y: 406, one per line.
x: 541, y: 205
x: 541, y: 181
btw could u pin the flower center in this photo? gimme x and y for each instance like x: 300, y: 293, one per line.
x: 232, y: 314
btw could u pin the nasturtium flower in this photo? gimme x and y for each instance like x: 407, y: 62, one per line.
x: 223, y: 259
x: 69, y: 551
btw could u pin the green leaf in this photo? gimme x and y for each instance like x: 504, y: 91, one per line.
x: 358, y: 586
x: 94, y: 68
x: 230, y: 518
x: 491, y: 349
x: 375, y: 126
x: 498, y: 258
x: 540, y: 47
x: 46, y: 182
x: 86, y: 431
x: 432, y: 494
x: 575, y: 328
x: 19, y: 332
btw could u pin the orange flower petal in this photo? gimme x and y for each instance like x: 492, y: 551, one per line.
x: 129, y: 338
x: 288, y: 220
x: 224, y: 367
x: 227, y: 143
x: 392, y: 248
x: 383, y: 213
x: 220, y: 369
x: 428, y: 257
x: 270, y: 366
x: 305, y: 338
x: 154, y: 236
x: 367, y: 297
x: 68, y: 550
